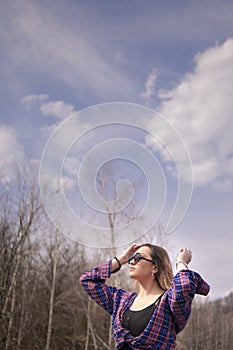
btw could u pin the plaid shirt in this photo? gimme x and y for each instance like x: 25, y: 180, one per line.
x: 168, y: 319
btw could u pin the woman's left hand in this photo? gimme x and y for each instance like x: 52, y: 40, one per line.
x: 185, y: 255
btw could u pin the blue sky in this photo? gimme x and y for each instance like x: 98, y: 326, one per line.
x: 59, y: 57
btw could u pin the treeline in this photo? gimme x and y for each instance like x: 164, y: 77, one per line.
x: 210, y: 326
x: 42, y: 305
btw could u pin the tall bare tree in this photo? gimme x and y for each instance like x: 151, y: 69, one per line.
x: 54, y: 256
x: 23, y: 206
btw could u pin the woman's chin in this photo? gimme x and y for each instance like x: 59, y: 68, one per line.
x: 132, y: 274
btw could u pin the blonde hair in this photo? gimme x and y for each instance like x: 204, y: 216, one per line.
x: 161, y: 259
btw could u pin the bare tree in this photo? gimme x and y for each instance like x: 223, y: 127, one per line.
x: 54, y: 255
x: 107, y: 184
x: 24, y: 207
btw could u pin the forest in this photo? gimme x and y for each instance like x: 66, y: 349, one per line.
x: 42, y: 305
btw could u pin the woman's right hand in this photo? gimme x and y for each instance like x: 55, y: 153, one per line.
x: 123, y: 258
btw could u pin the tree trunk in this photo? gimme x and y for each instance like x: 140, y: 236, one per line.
x: 51, y: 303
x: 23, y: 312
x: 88, y: 324
x: 8, y: 338
x: 14, y: 275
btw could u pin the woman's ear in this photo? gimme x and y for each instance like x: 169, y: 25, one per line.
x: 155, y: 269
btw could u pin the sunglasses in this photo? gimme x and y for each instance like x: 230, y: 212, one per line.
x: 137, y: 257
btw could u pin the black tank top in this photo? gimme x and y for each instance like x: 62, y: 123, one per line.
x: 136, y: 321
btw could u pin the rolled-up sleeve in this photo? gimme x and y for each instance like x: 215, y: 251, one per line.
x: 186, y: 284
x: 94, y: 283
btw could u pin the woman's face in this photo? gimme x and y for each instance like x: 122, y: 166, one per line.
x: 143, y: 269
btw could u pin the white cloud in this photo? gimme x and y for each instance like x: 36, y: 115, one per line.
x: 149, y: 85
x: 201, y: 109
x: 11, y: 153
x: 38, y: 39
x: 27, y: 101
x: 119, y: 57
x: 58, y: 109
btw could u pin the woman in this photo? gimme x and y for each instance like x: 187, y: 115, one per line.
x: 151, y: 318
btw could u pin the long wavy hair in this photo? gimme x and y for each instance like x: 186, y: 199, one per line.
x: 161, y: 259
